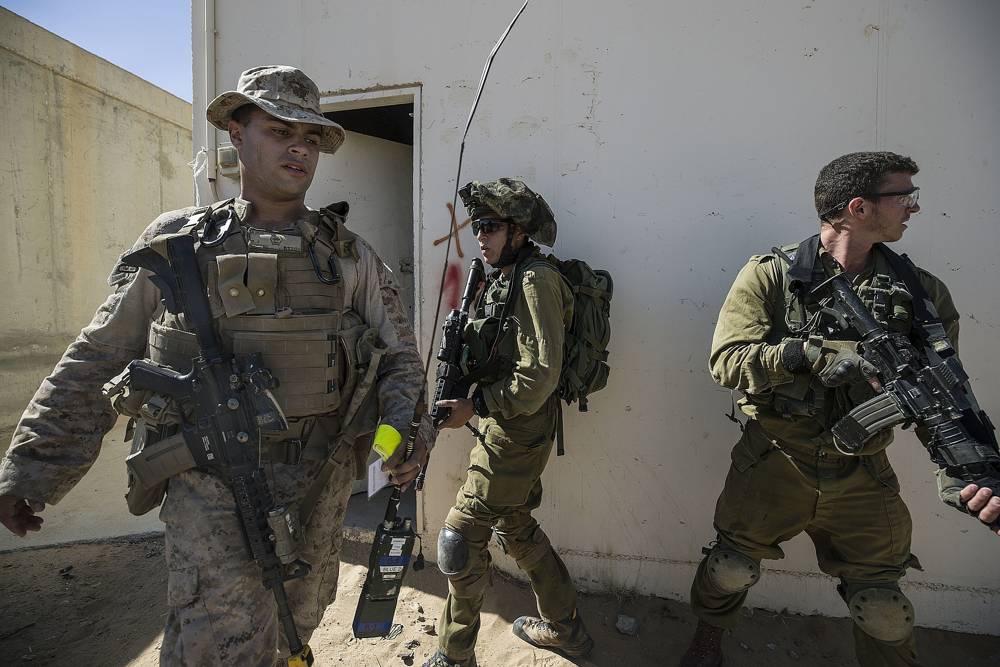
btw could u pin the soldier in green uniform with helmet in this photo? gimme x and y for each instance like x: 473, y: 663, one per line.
x: 799, y: 375
x: 516, y: 351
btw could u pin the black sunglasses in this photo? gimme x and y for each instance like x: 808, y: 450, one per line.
x: 487, y: 225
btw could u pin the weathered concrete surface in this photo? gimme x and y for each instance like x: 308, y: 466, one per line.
x: 89, y: 154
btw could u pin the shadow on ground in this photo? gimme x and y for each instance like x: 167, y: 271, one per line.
x: 103, y: 604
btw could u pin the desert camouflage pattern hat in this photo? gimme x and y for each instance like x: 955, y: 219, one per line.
x: 282, y: 91
x: 511, y: 199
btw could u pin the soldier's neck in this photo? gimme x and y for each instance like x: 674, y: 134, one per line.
x: 852, y: 251
x: 266, y: 213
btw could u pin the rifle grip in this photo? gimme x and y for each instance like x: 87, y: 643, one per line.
x: 144, y: 375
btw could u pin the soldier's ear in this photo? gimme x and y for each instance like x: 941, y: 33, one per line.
x: 235, y: 133
x: 858, y: 206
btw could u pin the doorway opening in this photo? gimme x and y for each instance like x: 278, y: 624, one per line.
x: 377, y: 171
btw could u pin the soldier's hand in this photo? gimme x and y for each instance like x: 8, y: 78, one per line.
x: 18, y: 515
x: 837, y: 362
x: 461, y: 412
x: 401, y: 472
x: 983, y: 501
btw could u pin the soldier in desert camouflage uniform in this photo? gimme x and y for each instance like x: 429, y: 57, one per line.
x: 526, y: 308
x: 321, y: 307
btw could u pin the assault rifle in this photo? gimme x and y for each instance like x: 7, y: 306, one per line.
x: 925, y: 386
x: 226, y: 402
x: 451, y: 382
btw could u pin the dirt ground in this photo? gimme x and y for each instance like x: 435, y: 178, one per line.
x: 103, y: 604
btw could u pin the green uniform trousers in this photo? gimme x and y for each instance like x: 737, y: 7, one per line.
x: 502, y: 488
x: 849, y: 506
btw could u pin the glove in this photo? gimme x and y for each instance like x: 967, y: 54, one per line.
x: 949, y: 488
x: 833, y: 362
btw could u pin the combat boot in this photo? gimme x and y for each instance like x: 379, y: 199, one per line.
x: 439, y: 659
x: 706, y: 647
x: 567, y: 637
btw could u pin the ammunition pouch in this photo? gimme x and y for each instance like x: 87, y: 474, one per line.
x: 154, y: 458
x: 478, y: 365
x: 804, y: 396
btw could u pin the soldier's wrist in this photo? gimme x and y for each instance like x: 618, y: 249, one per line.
x: 793, y: 357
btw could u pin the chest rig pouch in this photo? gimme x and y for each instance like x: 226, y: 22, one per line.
x: 281, y: 295
x: 490, y: 341
x: 807, y: 314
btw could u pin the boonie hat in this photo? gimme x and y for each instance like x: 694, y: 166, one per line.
x: 285, y: 93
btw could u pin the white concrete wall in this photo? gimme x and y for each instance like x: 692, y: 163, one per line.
x: 91, y: 154
x: 673, y: 140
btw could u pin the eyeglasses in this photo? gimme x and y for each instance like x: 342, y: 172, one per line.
x: 906, y: 198
x: 487, y: 225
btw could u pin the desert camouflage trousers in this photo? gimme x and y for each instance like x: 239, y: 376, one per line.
x: 850, y: 508
x: 219, y: 611
x: 502, y: 488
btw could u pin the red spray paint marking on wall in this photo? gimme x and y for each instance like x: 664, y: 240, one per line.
x: 453, y: 285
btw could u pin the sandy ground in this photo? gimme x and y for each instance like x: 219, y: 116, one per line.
x: 102, y: 604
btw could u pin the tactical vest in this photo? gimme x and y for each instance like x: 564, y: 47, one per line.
x: 490, y: 352
x: 282, y: 295
x: 266, y: 297
x: 795, y: 316
x: 490, y: 341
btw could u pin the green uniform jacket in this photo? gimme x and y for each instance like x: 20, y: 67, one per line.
x: 747, y: 345
x: 540, y: 315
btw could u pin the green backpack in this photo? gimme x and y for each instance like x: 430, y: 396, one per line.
x: 585, y: 350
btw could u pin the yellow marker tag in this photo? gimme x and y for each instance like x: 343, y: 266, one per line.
x: 386, y: 440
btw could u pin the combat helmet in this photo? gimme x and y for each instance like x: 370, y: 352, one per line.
x: 511, y: 199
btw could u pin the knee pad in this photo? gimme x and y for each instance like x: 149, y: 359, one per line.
x: 730, y: 571
x: 884, y: 613
x: 453, y: 552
